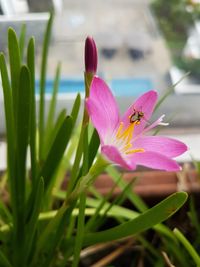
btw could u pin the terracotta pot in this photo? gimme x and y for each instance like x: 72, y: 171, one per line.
x: 154, y: 183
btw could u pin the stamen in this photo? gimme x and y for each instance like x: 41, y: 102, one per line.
x: 135, y: 151
x: 127, y: 134
x: 125, y: 137
x: 119, y: 130
x: 126, y: 147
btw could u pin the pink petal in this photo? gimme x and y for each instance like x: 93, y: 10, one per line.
x: 163, y: 145
x: 114, y: 156
x: 102, y: 108
x: 144, y: 103
x: 155, y: 161
x: 97, y: 118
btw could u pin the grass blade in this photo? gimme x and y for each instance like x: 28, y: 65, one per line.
x: 151, y: 217
x: 8, y: 107
x: 31, y: 66
x: 51, y: 114
x: 22, y: 38
x: 22, y: 136
x: 56, y: 151
x: 75, y: 109
x: 46, y: 42
x: 4, y: 262
x: 169, y: 91
x: 190, y: 249
x: 15, y: 66
x: 80, y: 231
x: 32, y: 224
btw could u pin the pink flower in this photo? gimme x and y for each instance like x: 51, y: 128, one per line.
x: 123, y: 139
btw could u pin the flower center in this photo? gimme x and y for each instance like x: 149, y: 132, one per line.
x: 124, y: 138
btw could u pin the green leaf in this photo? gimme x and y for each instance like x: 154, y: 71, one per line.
x: 134, y: 198
x: 8, y: 107
x: 31, y: 66
x: 56, y: 151
x: 22, y: 135
x: 59, y: 121
x: 80, y: 230
x: 52, y: 108
x: 46, y: 42
x: 169, y: 91
x: 148, y: 219
x: 23, y: 118
x: 4, y: 262
x: 22, y: 38
x: 190, y: 249
x: 50, y: 130
x: 75, y: 109
x: 95, y: 222
x: 32, y: 224
x: 52, y: 234
x: 4, y: 212
x: 15, y: 66
x: 93, y: 147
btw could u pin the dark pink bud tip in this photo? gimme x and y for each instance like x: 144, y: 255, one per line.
x: 90, y: 55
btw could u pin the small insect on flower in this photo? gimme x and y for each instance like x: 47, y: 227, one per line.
x: 136, y: 116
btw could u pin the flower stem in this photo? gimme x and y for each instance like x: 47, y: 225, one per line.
x: 187, y: 246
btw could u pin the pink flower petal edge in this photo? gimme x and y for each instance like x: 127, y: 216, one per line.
x: 155, y: 160
x: 114, y: 156
x: 102, y: 107
x: 164, y: 145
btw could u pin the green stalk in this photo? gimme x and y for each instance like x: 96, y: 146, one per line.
x: 190, y: 249
x: 80, y: 230
x: 79, y: 152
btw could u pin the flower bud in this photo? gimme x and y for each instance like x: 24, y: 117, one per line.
x: 90, y: 56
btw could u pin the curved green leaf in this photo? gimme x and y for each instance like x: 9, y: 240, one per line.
x: 151, y: 217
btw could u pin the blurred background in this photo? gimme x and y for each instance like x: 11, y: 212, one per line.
x: 142, y: 44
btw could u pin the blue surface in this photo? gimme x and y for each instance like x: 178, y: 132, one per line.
x: 120, y: 87
x: 130, y: 87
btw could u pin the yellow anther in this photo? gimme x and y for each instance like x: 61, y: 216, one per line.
x: 119, y: 130
x: 126, y: 147
x: 135, y: 151
x: 126, y: 137
x: 127, y: 134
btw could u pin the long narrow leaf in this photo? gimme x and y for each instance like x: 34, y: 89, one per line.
x: 32, y: 224
x: 52, y: 108
x: 22, y: 134
x: 49, y: 131
x: 4, y: 262
x: 15, y: 66
x: 169, y: 91
x: 46, y: 42
x: 22, y: 38
x: 8, y: 107
x: 189, y: 248
x: 80, y: 230
x: 57, y: 150
x: 31, y: 66
x: 93, y: 147
x: 75, y: 108
x: 153, y: 216
x: 134, y: 198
